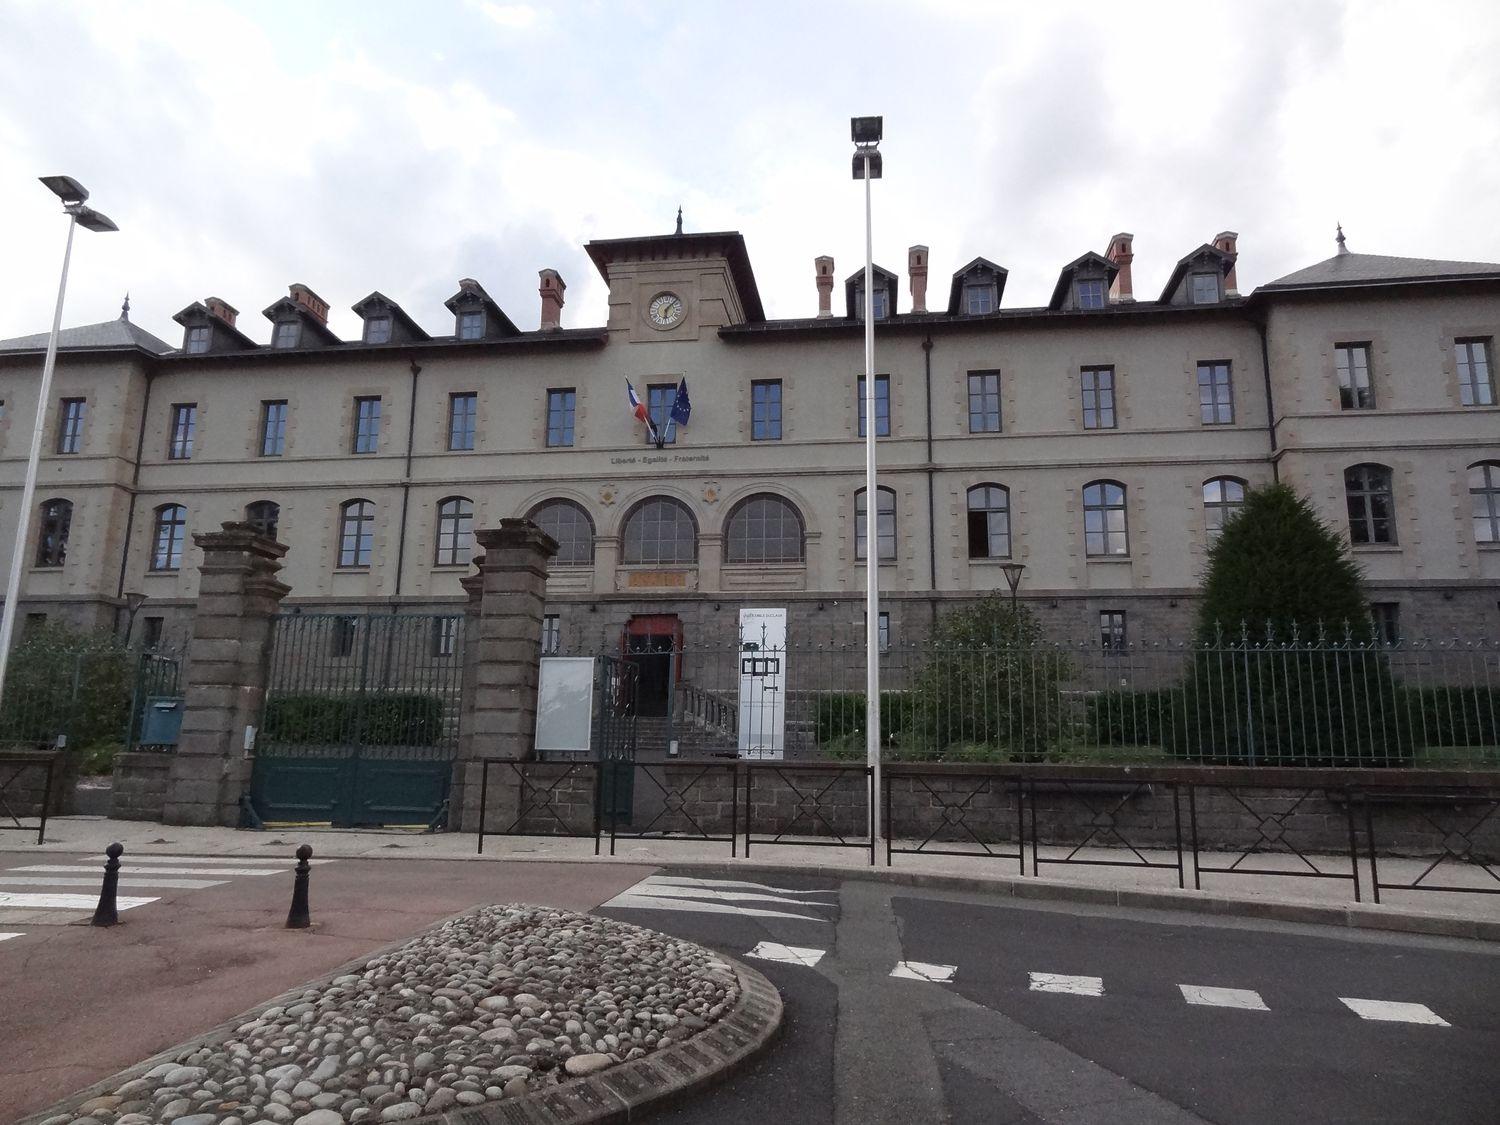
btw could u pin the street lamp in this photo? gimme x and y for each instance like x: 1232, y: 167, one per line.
x: 133, y: 603
x: 72, y: 194
x: 866, y: 133
x: 1012, y: 572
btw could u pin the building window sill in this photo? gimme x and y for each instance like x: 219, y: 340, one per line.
x: 1091, y: 559
x: 1376, y: 548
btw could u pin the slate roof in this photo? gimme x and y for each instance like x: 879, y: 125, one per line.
x: 117, y: 333
x: 1375, y: 269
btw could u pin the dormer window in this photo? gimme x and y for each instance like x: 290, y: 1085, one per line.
x: 1091, y: 293
x: 471, y: 325
x: 288, y: 333
x: 880, y: 303
x: 198, y: 339
x: 1205, y: 288
x: 979, y: 299
x: 378, y: 330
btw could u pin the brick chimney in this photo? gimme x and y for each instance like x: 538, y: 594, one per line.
x: 222, y: 309
x: 309, y: 301
x: 1121, y: 254
x: 1228, y: 241
x: 824, y: 267
x: 916, y: 266
x: 551, y: 290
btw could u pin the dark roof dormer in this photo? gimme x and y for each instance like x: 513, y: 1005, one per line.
x: 386, y: 322
x: 977, y: 289
x: 208, y: 326
x: 1199, y: 278
x: 887, y: 285
x: 1083, y: 285
x: 475, y: 314
x: 300, y: 320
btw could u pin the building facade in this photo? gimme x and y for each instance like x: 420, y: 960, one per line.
x: 1099, y: 440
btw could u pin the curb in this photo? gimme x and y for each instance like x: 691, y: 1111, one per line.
x: 623, y: 1093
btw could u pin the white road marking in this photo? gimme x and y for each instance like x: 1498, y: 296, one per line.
x: 7, y: 937
x: 17, y: 900
x: 125, y: 881
x: 1074, y: 986
x: 97, y: 869
x: 628, y: 901
x: 720, y: 884
x: 700, y: 893
x: 1223, y: 997
x: 214, y: 860
x: 1393, y: 1011
x: 787, y: 954
x: 703, y: 896
x: 920, y: 970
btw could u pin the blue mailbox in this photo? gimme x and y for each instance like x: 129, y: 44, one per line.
x: 162, y: 720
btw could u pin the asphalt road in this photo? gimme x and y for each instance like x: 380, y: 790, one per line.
x: 1105, y: 1031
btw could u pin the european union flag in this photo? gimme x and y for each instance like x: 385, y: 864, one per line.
x: 682, y: 409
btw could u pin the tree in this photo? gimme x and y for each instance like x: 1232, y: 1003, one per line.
x: 1285, y: 671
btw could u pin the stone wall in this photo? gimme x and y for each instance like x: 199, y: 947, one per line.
x: 23, y: 795
x: 140, y: 786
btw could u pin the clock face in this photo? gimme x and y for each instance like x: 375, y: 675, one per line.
x: 665, y: 310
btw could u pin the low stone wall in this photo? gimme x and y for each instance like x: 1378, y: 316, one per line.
x: 24, y: 794
x: 141, y: 783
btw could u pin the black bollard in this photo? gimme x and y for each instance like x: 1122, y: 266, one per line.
x: 106, y: 913
x: 297, y: 918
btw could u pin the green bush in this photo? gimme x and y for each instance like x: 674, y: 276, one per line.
x: 1132, y: 718
x: 1452, y: 716
x: 385, y: 719
x: 841, y: 715
x: 63, y: 681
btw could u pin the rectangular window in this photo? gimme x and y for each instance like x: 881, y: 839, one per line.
x: 463, y: 409
x: 1091, y: 293
x: 883, y: 631
x: 1112, y: 629
x: 471, y: 326
x: 979, y: 299
x: 378, y: 330
x: 366, y: 424
x: 444, y: 636
x: 70, y: 415
x: 1476, y: 379
x: 984, y: 402
x: 198, y: 339
x: 1098, y: 397
x: 765, y: 410
x: 1205, y: 289
x: 151, y: 632
x: 882, y: 405
x: 880, y: 303
x: 885, y: 525
x: 342, y: 640
x: 1386, y: 617
x: 288, y: 332
x: 659, y: 400
x: 184, y: 423
x: 551, y: 634
x: 273, y: 428
x: 1355, y: 389
x: 560, y: 407
x: 1215, y: 394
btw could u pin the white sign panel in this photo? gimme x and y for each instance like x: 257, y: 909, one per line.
x: 762, y: 683
x: 565, y: 704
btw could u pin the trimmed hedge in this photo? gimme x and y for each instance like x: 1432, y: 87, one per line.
x: 1133, y: 718
x: 388, y: 719
x: 841, y: 714
x: 1453, y: 716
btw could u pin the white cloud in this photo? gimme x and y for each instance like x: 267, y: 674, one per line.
x: 513, y: 17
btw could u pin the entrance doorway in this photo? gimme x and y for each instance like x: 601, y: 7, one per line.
x: 653, y: 643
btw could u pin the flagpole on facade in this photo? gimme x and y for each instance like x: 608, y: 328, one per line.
x: 866, y: 133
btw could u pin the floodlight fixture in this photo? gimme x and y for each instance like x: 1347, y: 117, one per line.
x: 872, y: 156
x: 865, y: 130
x: 65, y: 188
x: 89, y: 219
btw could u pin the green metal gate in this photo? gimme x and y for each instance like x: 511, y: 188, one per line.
x: 360, y: 725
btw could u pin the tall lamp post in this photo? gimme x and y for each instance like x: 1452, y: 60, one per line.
x: 1013, y: 572
x: 866, y: 133
x: 72, y: 194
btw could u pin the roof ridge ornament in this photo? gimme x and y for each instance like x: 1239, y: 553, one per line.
x: 125, y: 308
x: 679, y: 218
x: 1339, y: 238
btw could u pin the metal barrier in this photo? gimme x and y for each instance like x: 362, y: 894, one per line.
x: 540, y: 799
x: 12, y: 766
x: 675, y: 786
x: 1105, y: 800
x: 1459, y: 815
x: 812, y: 804
x: 952, y: 791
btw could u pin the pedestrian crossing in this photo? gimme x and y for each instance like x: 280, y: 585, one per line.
x: 65, y: 890
x: 726, y: 896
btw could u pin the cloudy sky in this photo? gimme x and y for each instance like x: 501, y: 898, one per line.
x: 399, y: 147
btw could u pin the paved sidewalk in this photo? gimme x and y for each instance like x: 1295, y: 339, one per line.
x: 1325, y: 900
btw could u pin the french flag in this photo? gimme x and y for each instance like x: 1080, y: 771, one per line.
x: 638, y: 408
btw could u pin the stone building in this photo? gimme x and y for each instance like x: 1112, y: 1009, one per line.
x: 1098, y: 440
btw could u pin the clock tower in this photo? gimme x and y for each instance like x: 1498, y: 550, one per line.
x: 677, y: 287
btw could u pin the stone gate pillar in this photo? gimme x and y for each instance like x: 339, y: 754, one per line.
x: 228, y: 657
x: 502, y: 648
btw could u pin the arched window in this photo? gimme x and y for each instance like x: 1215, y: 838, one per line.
x: 264, y: 516
x: 455, y: 531
x: 356, y: 533
x: 885, y: 524
x: 52, y: 536
x: 570, y: 525
x: 168, y: 532
x: 1372, y: 508
x: 1104, y: 528
x: 1484, y: 497
x: 1222, y: 498
x: 764, y: 529
x: 660, y: 531
x: 989, y: 522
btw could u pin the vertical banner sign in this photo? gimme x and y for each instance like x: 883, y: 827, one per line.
x: 762, y: 683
